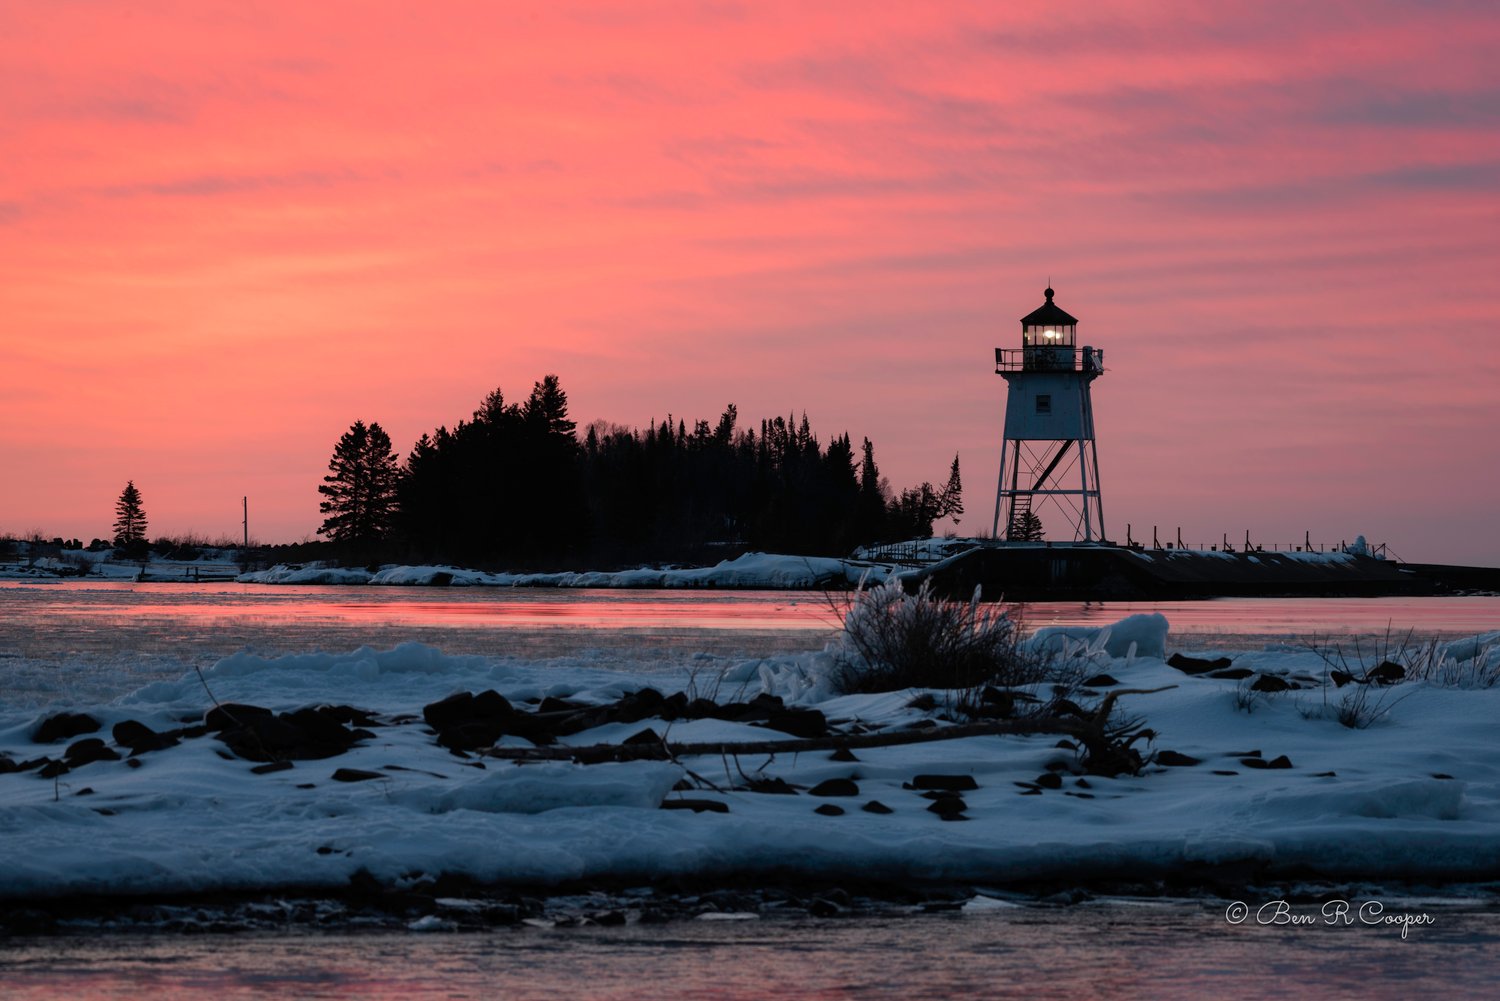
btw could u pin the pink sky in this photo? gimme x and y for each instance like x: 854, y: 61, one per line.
x: 227, y: 230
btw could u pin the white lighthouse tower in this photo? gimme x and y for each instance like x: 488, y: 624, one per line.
x: 1048, y: 453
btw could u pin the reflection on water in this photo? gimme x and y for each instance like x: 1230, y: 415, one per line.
x: 1156, y: 950
x: 87, y: 640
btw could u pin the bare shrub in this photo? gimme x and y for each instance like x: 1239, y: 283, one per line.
x: 893, y: 640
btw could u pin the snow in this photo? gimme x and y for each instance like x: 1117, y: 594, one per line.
x: 190, y: 819
x: 751, y: 570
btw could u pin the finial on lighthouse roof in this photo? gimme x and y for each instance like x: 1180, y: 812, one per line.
x: 1048, y: 293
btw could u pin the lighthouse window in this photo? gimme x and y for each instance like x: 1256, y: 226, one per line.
x: 1044, y: 404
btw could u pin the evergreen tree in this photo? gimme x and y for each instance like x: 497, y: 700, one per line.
x: 130, y: 517
x: 360, y: 486
x: 1027, y: 528
x: 951, y: 497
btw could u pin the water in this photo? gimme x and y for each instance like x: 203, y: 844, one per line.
x: 1121, y: 949
x: 89, y: 641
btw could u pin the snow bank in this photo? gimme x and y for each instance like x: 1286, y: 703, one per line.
x: 766, y: 571
x: 1143, y: 635
x: 1415, y: 795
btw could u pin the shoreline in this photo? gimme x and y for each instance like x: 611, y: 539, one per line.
x: 454, y: 903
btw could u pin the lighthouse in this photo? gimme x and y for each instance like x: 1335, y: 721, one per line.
x: 1048, y: 459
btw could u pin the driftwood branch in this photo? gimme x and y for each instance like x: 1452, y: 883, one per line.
x: 1090, y: 730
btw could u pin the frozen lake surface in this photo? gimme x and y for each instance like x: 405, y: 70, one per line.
x: 94, y: 640
x: 1119, y: 949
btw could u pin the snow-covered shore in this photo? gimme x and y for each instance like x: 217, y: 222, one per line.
x: 1279, y: 785
x: 768, y: 571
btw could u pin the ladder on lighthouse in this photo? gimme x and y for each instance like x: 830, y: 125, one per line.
x: 1019, y: 512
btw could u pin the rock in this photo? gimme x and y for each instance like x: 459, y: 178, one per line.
x: 1334, y: 775
x: 52, y: 769
x: 805, y: 723
x: 640, y: 705
x: 829, y: 810
x: 302, y: 735
x: 842, y: 754
x: 1173, y: 759
x: 1281, y: 761
x: 232, y: 715
x: 948, y: 806
x: 876, y: 806
x: 1386, y: 673
x: 63, y: 726
x: 821, y: 907
x: 269, y: 767
x: 1219, y: 771
x: 696, y: 805
x: 355, y: 775
x: 952, y: 783
x: 1232, y: 674
x: 1197, y: 665
x: 470, y: 735
x: 1100, y: 681
x: 451, y: 711
x: 1270, y: 683
x: 674, y: 705
x: 140, y: 738
x: 1066, y: 745
x: 774, y: 786
x: 834, y: 787
x: 89, y: 749
x: 1049, y: 780
x: 646, y: 736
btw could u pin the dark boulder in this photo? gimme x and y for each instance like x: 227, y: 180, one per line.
x: 696, y: 805
x: 950, y: 783
x: 139, y: 737
x: 829, y: 810
x: 876, y: 806
x: 948, y: 806
x: 355, y: 775
x: 1100, y: 681
x: 637, y: 706
x: 89, y: 749
x: 805, y: 723
x: 1175, y: 759
x: 1386, y: 673
x: 1197, y: 665
x: 1271, y: 683
x: 1232, y: 674
x: 64, y: 726
x: 456, y: 708
x: 232, y: 715
x: 834, y: 787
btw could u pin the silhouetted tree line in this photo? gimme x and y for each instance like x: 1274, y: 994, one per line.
x: 515, y: 483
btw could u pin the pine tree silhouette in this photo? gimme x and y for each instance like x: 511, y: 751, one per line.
x: 360, y: 486
x: 130, y: 517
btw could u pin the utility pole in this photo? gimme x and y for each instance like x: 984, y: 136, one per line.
x: 245, y: 507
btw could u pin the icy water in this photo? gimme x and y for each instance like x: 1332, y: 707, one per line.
x: 90, y: 641
x: 1108, y: 950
